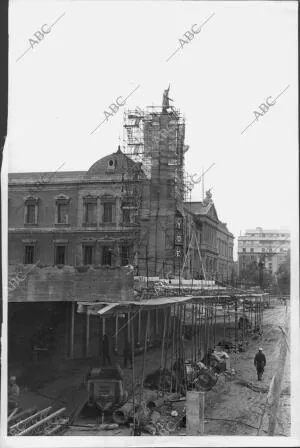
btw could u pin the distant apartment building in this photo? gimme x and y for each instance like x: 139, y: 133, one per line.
x: 268, y: 245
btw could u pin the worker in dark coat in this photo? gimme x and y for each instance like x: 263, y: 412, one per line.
x: 13, y: 394
x: 127, y: 353
x: 260, y: 362
x: 105, y: 350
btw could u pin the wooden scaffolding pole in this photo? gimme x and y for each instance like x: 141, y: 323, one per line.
x: 201, y: 260
x: 87, y: 338
x: 72, y: 330
x: 131, y: 339
x: 144, y: 360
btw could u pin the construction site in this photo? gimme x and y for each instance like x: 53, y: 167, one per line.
x: 157, y: 339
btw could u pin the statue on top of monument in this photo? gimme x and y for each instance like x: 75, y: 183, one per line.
x: 166, y: 99
x: 208, y: 196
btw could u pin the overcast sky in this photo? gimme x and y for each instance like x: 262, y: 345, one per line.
x: 98, y: 51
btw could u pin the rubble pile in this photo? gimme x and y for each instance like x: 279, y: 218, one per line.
x: 161, y: 379
x: 165, y: 419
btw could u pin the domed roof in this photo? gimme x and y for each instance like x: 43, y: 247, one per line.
x: 116, y: 163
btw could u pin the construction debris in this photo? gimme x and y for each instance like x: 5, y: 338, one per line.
x: 108, y: 426
x: 260, y: 389
x: 39, y: 423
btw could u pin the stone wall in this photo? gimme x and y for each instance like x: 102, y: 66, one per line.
x: 31, y: 283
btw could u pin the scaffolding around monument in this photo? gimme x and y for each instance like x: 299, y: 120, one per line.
x: 145, y: 139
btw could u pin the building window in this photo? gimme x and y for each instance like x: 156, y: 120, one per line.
x: 29, y: 254
x: 30, y: 214
x: 62, y: 213
x: 111, y: 164
x: 60, y: 254
x: 244, y: 249
x: 107, y: 212
x: 263, y: 249
x: 88, y: 254
x: 31, y: 210
x: 90, y: 213
x: 251, y: 250
x: 125, y: 255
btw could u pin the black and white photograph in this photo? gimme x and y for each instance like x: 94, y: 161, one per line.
x: 150, y: 243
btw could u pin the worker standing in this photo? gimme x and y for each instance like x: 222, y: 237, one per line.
x: 260, y: 362
x: 13, y: 393
x: 105, y: 350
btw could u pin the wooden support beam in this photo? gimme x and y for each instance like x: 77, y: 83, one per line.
x: 23, y: 423
x: 128, y: 326
x: 12, y: 414
x: 163, y: 342
x: 103, y: 326
x: 133, y: 370
x: 215, y: 323
x: 72, y: 330
x: 139, y: 327
x: 67, y: 327
x: 117, y: 331
x: 87, y: 340
x: 201, y: 413
x: 144, y: 359
x: 195, y: 402
x: 23, y: 414
x: 236, y: 335
x: 41, y: 422
x: 173, y: 343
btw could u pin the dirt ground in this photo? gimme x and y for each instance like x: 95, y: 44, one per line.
x: 231, y: 408
x: 241, y: 403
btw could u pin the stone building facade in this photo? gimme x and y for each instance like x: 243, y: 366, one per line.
x: 73, y: 218
x: 269, y: 245
x: 215, y: 261
x: 225, y: 267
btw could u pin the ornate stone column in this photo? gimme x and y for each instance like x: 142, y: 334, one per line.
x: 118, y: 211
x: 99, y: 211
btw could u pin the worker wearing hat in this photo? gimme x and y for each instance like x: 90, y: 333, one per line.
x: 260, y: 362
